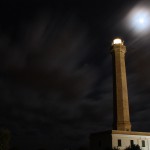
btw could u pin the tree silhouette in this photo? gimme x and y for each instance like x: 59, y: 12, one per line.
x: 4, y: 139
x: 115, y: 148
x: 133, y: 147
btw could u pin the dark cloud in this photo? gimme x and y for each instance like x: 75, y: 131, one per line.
x: 56, y: 71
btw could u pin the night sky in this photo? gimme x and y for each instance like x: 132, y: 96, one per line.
x: 56, y: 70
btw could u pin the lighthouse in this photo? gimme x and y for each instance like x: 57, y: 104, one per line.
x: 121, y: 135
x: 121, y: 117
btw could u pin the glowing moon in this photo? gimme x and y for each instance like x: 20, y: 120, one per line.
x: 139, y: 19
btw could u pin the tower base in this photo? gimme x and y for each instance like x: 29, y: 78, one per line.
x: 119, y: 139
x: 123, y: 126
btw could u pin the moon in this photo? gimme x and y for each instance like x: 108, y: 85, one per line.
x: 138, y: 20
x: 141, y: 20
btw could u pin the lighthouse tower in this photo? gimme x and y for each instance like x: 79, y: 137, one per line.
x: 121, y: 136
x: 121, y: 115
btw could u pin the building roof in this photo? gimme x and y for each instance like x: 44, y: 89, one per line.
x: 121, y: 132
x: 130, y: 132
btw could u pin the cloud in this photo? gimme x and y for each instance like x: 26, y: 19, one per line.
x: 56, y: 76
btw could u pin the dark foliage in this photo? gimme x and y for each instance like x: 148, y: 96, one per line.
x: 133, y: 147
x: 4, y: 139
x: 115, y: 148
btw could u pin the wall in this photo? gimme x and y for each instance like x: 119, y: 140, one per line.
x: 125, y: 140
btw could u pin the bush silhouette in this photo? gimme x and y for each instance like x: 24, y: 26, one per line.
x: 133, y: 147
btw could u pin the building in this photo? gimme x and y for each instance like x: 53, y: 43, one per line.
x: 121, y: 136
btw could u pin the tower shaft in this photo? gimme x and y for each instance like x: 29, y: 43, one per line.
x: 121, y: 115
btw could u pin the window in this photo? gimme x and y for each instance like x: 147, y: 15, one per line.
x: 143, y: 143
x: 119, y: 142
x: 131, y: 142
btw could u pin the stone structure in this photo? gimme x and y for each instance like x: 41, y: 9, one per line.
x: 119, y: 139
x: 121, y: 116
x: 121, y: 136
